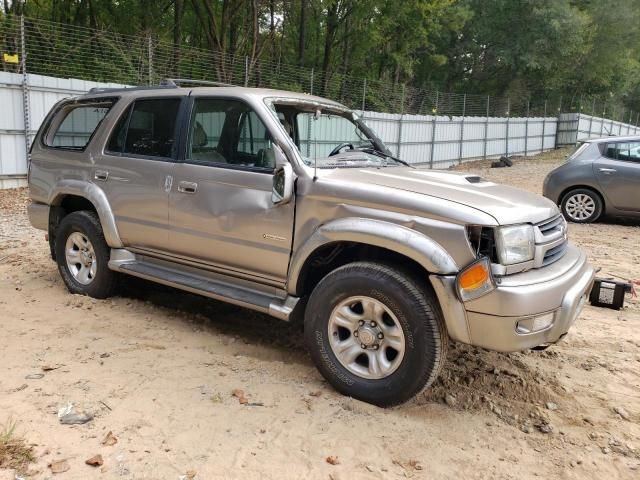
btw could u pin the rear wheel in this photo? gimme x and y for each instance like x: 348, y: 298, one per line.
x: 82, y: 255
x: 374, y: 333
x: 581, y: 206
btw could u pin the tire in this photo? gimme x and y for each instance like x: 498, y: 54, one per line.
x: 581, y: 206
x: 408, y: 309
x: 96, y: 280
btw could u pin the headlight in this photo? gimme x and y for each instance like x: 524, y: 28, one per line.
x: 515, y: 244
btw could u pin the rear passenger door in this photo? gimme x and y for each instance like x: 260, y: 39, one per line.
x: 136, y: 170
x: 221, y: 208
x: 618, y: 173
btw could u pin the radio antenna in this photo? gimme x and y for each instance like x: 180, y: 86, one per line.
x: 316, y: 116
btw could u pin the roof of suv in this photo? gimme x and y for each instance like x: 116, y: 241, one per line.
x: 628, y: 138
x: 217, y: 91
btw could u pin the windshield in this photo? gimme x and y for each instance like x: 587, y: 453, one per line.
x: 328, y: 138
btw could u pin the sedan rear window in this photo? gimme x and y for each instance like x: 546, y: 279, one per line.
x: 579, y: 148
x: 75, y: 125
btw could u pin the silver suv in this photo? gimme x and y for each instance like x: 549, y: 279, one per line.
x: 290, y: 205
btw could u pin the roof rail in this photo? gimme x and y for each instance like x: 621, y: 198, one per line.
x: 128, y: 89
x: 165, y: 83
x: 176, y: 82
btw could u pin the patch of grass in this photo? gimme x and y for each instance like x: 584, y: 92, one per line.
x: 14, y: 452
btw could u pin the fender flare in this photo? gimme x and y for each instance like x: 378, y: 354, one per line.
x: 405, y: 241
x: 98, y: 199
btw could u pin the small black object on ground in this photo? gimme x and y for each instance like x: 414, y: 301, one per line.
x: 503, y: 162
x: 608, y: 293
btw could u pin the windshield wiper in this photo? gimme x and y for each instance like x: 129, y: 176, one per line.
x: 380, y: 154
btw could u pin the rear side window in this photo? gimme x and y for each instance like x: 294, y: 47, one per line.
x: 78, y: 124
x: 147, y: 128
x: 627, y: 151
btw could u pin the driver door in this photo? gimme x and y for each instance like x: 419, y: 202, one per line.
x: 221, y: 211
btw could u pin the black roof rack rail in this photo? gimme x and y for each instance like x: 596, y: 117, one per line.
x: 165, y: 83
x: 176, y: 82
x: 95, y: 90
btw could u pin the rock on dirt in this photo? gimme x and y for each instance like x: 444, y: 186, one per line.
x: 95, y: 461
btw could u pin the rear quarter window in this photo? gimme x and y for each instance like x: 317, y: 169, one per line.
x: 74, y: 126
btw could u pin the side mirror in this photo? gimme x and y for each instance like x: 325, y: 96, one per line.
x: 283, y: 179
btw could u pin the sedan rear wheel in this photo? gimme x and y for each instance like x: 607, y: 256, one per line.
x: 582, y: 206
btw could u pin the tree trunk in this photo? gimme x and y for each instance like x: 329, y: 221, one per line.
x: 177, y: 35
x: 302, y: 32
x: 332, y: 25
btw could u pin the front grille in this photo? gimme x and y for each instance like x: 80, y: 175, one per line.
x: 551, y: 226
x: 551, y: 241
x: 554, y: 254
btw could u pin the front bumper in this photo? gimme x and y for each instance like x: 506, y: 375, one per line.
x: 491, y: 321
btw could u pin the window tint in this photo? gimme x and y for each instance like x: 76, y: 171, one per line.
x: 78, y: 125
x: 627, y: 151
x: 147, y: 128
x: 116, y: 143
x: 228, y: 132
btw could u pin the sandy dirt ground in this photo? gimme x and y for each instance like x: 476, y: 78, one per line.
x: 157, y: 368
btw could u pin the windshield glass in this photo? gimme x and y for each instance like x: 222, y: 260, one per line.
x: 329, y: 138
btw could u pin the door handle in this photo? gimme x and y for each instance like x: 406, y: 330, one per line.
x: 608, y: 170
x: 187, y: 187
x: 101, y: 175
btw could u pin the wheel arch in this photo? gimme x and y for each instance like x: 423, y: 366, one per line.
x: 351, y: 239
x: 79, y: 195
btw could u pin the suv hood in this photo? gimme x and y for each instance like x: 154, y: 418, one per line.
x: 508, y: 205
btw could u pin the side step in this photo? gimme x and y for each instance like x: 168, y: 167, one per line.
x: 201, y: 282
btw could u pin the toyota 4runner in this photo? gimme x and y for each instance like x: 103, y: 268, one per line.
x: 288, y: 204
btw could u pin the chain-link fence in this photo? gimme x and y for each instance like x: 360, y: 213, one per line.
x: 61, y: 50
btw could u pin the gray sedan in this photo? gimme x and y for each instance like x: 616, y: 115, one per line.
x: 601, y: 176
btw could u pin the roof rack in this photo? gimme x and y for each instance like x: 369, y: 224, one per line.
x: 128, y: 89
x: 176, y: 82
x: 165, y: 83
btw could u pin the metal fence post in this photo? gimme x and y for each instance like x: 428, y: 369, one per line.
x: 629, y: 123
x: 593, y: 109
x: 611, y: 127
x: 400, y: 122
x: 26, y: 104
x: 544, y: 124
x: 246, y: 71
x: 364, y: 95
x: 433, y: 132
x: 464, y: 112
x: 486, y: 130
x: 311, y: 82
x: 508, y: 119
x: 604, y: 112
x: 637, y: 120
x: 526, y: 131
x: 150, y: 59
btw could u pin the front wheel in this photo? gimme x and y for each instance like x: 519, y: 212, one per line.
x: 375, y: 334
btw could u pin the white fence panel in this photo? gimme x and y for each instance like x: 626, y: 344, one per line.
x: 577, y: 126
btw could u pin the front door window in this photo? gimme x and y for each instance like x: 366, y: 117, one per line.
x: 227, y: 133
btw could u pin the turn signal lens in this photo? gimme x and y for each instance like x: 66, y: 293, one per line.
x: 475, y: 280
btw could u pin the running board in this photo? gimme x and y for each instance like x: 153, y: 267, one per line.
x: 209, y: 284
